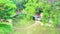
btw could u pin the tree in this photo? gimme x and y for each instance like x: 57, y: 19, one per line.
x: 20, y: 3
x: 7, y: 9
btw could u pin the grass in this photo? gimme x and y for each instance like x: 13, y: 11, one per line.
x: 34, y: 30
x: 38, y: 30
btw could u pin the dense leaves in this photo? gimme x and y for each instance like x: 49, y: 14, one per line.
x: 7, y: 9
x: 5, y: 28
x: 50, y: 11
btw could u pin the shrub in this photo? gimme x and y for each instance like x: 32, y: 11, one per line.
x: 7, y: 9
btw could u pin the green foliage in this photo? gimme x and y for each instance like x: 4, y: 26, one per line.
x: 19, y: 3
x: 30, y: 9
x: 7, y: 9
x: 50, y: 12
x: 5, y: 28
x: 56, y: 12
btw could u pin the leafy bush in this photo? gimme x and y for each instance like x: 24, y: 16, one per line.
x: 7, y: 9
x: 5, y: 28
x: 50, y: 12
